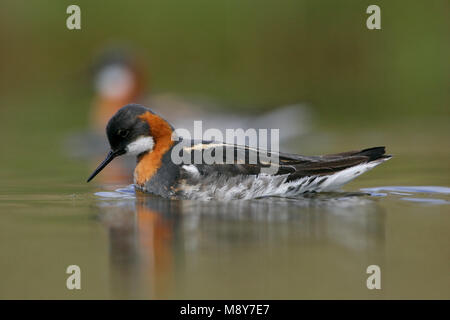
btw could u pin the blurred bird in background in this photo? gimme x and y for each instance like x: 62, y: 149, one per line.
x: 120, y: 77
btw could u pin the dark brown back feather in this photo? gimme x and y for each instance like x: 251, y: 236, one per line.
x: 331, y: 163
x: 297, y: 166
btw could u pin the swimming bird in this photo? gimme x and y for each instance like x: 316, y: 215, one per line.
x: 136, y: 130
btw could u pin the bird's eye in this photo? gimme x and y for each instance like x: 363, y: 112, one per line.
x: 123, y: 133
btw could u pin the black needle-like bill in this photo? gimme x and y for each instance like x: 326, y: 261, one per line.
x: 111, y: 155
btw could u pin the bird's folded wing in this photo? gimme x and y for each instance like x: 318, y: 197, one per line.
x: 217, y: 157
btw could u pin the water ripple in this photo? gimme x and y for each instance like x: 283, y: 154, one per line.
x: 429, y: 191
x: 128, y: 192
x: 413, y: 189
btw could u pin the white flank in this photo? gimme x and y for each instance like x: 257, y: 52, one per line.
x: 141, y: 144
x: 221, y: 187
x: 337, y: 180
x: 192, y: 170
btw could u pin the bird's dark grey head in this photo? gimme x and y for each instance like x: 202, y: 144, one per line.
x: 128, y: 133
x: 126, y: 127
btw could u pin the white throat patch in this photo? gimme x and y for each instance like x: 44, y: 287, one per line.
x: 141, y: 144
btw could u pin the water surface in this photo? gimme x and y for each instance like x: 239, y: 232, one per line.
x: 317, y: 246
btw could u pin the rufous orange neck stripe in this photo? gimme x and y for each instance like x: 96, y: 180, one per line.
x: 150, y: 162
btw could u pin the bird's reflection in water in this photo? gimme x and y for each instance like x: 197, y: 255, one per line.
x: 141, y: 246
x: 154, y: 241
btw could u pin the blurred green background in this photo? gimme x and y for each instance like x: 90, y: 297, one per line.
x: 364, y: 87
x: 392, y: 82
